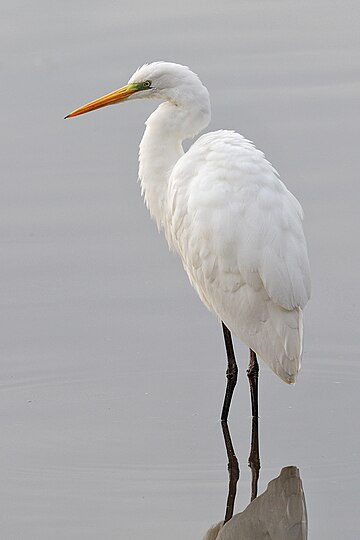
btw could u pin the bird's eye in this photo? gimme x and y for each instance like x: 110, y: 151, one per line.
x: 147, y: 84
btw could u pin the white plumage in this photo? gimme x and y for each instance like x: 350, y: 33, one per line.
x: 238, y: 231
x: 225, y: 211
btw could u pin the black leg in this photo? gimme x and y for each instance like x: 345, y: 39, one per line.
x: 233, y: 468
x: 231, y: 373
x: 253, y: 375
x: 254, y: 457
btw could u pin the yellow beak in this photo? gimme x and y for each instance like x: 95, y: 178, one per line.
x: 109, y: 99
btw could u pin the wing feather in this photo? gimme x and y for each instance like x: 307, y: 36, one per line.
x: 239, y: 233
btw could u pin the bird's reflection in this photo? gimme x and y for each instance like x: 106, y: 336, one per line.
x: 278, y: 514
x: 233, y: 468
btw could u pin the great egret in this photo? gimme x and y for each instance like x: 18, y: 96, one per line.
x: 223, y: 208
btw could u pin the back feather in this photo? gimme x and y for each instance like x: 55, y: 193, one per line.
x: 239, y: 233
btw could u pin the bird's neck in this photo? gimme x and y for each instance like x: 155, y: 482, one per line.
x: 161, y: 148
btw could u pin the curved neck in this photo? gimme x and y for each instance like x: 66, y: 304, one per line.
x: 161, y: 148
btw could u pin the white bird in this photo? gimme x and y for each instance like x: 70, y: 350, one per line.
x: 225, y: 211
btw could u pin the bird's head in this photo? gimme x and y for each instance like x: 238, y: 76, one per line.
x: 160, y: 80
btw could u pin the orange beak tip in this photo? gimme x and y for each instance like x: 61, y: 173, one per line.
x: 109, y: 99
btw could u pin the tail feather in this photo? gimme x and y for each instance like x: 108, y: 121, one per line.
x: 280, y: 346
x: 277, y: 340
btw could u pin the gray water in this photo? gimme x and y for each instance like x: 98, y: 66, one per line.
x: 112, y: 372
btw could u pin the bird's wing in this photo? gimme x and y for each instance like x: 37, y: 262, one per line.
x: 232, y: 218
x: 239, y: 233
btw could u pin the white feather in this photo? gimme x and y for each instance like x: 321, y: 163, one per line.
x: 238, y: 231
x: 236, y: 227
